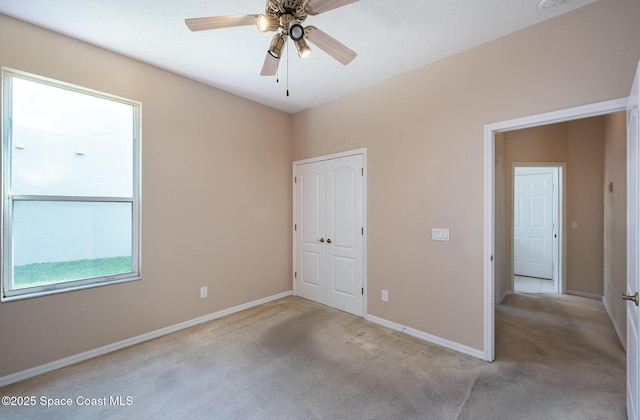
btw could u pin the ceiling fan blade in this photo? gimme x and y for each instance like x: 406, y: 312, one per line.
x: 219, y: 22
x: 316, y: 7
x: 270, y: 66
x: 329, y: 45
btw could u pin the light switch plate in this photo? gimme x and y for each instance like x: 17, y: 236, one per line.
x: 440, y: 234
x: 574, y: 225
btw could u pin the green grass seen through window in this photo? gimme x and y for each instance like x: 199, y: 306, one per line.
x: 41, y: 274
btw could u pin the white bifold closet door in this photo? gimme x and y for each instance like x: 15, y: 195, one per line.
x: 329, y: 232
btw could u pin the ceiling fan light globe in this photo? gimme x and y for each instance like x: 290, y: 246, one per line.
x: 303, y: 48
x: 275, y: 49
x: 266, y: 24
x: 304, y: 52
x: 296, y: 31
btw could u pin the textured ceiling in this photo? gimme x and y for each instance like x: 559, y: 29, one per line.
x: 390, y: 37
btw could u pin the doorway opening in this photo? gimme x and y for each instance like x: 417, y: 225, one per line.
x: 492, y: 212
x: 537, y: 227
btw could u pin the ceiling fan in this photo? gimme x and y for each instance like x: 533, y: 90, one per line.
x: 285, y: 17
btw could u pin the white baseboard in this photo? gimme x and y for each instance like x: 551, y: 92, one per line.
x: 48, y: 367
x: 583, y: 294
x: 427, y: 337
x: 504, y: 296
x: 622, y: 339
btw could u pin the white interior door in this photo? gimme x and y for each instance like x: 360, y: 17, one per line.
x: 533, y: 223
x: 310, y: 227
x: 329, y: 252
x: 633, y: 251
x: 344, y: 235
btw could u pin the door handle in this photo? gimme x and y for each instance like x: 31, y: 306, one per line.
x: 634, y: 298
x: 321, y: 240
x: 329, y: 240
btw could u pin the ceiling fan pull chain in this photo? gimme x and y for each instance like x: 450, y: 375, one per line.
x: 288, y: 69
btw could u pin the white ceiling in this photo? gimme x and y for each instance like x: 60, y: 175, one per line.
x: 390, y: 37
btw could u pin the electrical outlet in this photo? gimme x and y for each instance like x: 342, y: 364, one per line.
x: 385, y: 296
x: 203, y: 292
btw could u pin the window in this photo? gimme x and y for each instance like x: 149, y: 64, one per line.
x: 70, y: 187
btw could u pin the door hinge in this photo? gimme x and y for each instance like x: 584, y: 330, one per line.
x: 295, y: 274
x: 295, y: 179
x: 362, y: 231
x: 363, y: 290
x: 295, y: 227
x: 362, y: 171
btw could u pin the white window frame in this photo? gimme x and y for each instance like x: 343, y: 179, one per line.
x: 8, y: 293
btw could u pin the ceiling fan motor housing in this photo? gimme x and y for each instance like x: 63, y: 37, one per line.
x: 290, y: 15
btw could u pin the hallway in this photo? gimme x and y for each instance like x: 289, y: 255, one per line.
x: 523, y: 284
x: 561, y: 348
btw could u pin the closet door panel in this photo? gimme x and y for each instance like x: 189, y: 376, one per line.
x: 310, y: 213
x: 344, y: 229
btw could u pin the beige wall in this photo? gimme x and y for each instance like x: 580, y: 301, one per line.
x: 580, y: 145
x: 585, y: 189
x: 216, y: 192
x: 424, y: 134
x: 615, y: 220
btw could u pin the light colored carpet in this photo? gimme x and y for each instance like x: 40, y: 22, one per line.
x: 557, y: 358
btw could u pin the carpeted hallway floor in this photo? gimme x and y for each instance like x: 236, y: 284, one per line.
x: 557, y: 358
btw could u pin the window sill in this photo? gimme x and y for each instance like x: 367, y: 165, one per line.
x: 54, y: 291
